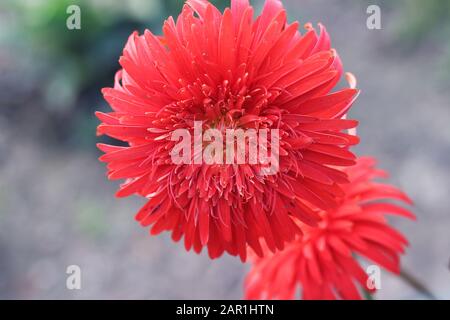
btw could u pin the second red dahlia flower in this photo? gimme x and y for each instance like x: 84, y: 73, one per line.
x: 323, y: 263
x: 229, y: 71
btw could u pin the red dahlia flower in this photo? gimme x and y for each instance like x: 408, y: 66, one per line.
x: 323, y: 261
x: 229, y: 71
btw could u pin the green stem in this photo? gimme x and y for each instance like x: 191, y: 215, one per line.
x: 417, y: 284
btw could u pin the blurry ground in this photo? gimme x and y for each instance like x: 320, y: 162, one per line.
x: 58, y: 209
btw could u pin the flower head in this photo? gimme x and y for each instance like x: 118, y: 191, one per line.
x: 229, y: 70
x: 323, y: 263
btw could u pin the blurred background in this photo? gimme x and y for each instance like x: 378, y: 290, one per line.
x: 58, y: 209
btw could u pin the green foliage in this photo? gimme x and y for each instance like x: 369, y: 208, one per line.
x: 71, y: 57
x: 426, y: 23
x: 421, y: 19
x: 91, y: 219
